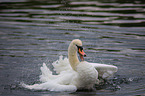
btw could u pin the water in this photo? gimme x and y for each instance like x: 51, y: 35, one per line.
x: 37, y: 31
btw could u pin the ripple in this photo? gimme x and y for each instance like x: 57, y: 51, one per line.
x: 113, y: 32
x: 78, y: 12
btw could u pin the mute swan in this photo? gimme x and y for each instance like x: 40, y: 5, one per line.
x: 71, y: 73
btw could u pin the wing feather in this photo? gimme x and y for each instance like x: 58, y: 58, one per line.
x: 104, y: 70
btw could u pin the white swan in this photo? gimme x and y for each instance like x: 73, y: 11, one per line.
x: 80, y: 75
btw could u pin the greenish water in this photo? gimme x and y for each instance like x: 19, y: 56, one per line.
x: 37, y: 31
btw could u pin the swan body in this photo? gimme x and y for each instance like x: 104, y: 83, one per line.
x: 87, y: 76
x: 71, y: 73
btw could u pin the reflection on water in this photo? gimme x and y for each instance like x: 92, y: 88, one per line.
x: 37, y: 31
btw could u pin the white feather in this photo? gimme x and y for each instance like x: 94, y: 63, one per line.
x: 105, y: 71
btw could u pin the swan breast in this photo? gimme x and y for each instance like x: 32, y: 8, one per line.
x: 87, y: 75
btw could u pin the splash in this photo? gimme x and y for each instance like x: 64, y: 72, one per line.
x: 115, y: 82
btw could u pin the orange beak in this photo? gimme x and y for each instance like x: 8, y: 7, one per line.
x: 82, y: 53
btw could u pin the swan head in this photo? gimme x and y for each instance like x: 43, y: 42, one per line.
x: 77, y: 44
x: 74, y: 47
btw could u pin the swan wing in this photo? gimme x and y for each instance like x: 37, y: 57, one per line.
x: 60, y: 82
x: 46, y: 74
x: 61, y: 65
x: 104, y: 71
x: 63, y: 77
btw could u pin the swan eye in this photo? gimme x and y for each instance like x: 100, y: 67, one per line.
x: 79, y: 47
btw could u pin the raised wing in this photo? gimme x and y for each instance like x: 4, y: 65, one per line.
x: 105, y: 71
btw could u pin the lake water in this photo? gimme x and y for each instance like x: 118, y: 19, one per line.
x: 37, y: 31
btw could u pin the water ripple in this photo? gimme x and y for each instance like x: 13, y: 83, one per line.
x: 112, y: 32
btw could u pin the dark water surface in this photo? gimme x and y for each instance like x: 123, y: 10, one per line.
x: 37, y: 31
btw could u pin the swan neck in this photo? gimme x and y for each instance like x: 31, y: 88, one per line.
x: 72, y: 55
